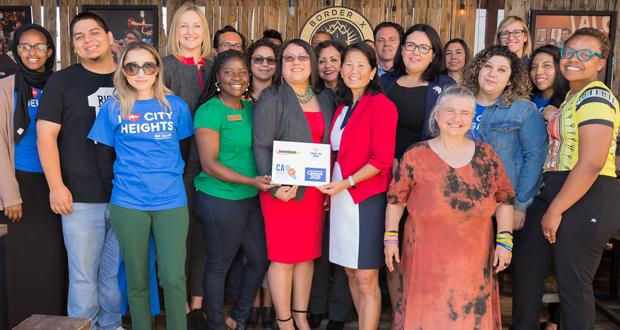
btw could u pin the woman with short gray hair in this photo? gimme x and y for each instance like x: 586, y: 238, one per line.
x: 451, y: 187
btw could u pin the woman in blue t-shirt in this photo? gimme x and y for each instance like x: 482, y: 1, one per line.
x: 36, y: 264
x: 227, y: 189
x: 550, y: 87
x: 144, y: 124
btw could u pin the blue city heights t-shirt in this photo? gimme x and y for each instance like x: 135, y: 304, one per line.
x: 148, y: 170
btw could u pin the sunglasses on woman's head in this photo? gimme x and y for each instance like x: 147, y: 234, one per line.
x: 132, y: 69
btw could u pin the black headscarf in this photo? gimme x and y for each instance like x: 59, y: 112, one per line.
x: 26, y: 79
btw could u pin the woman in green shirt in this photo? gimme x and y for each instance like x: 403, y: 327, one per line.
x: 226, y: 200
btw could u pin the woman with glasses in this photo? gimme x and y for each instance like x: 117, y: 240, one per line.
x: 576, y: 211
x: 362, y: 139
x: 513, y: 33
x: 456, y: 57
x: 187, y: 68
x: 145, y: 126
x: 227, y: 189
x: 418, y: 84
x: 291, y: 111
x: 36, y: 262
x: 262, y: 58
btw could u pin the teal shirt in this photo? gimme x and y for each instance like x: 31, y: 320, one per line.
x: 235, y: 128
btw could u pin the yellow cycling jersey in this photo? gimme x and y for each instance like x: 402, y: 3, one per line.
x: 594, y: 104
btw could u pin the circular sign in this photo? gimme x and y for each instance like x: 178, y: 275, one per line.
x: 344, y: 24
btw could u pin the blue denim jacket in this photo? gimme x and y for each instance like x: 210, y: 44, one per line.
x: 518, y: 133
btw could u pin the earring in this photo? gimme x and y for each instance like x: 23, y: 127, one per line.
x: 217, y: 86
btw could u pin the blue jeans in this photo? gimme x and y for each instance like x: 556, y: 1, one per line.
x: 228, y: 226
x: 93, y: 254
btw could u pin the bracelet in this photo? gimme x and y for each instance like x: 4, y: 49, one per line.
x: 505, y: 246
x: 391, y: 242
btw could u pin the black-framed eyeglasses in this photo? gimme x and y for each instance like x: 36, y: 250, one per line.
x: 269, y: 60
x: 132, y: 69
x: 583, y: 55
x: 411, y: 46
x: 25, y: 48
x: 515, y: 33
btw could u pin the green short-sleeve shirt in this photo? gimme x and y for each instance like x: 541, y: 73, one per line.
x: 235, y: 128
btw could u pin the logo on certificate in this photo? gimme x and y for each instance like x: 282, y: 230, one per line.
x: 286, y: 169
x: 315, y: 174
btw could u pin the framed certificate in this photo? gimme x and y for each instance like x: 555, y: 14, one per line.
x: 303, y: 164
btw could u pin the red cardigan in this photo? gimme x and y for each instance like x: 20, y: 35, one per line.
x: 369, y: 138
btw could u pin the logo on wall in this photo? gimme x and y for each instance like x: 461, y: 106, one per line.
x: 344, y: 24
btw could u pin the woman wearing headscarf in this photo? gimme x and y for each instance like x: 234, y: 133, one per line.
x: 35, y: 272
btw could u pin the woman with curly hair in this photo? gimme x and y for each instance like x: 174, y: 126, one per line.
x: 508, y: 121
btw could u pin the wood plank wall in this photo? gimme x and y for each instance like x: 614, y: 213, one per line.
x: 251, y: 17
x: 521, y: 8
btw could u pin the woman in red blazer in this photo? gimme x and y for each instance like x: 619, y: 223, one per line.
x: 363, y: 137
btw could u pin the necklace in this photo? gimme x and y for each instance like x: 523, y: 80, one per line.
x: 239, y: 107
x: 306, y: 96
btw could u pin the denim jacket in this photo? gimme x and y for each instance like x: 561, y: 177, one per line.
x: 518, y: 133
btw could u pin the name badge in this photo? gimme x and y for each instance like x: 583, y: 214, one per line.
x: 234, y: 117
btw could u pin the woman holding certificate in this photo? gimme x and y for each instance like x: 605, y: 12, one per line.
x: 291, y: 111
x: 363, y: 138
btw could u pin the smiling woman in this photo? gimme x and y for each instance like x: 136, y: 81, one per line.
x: 186, y: 69
x: 452, y: 186
x: 148, y: 194
x: 227, y: 189
x: 508, y: 121
x: 514, y: 33
x: 38, y: 285
x: 579, y: 179
x: 302, y: 116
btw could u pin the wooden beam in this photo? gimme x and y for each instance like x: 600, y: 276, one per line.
x: 490, y: 24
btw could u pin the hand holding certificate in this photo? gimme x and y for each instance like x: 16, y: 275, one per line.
x: 299, y: 163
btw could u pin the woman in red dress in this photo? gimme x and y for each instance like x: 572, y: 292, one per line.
x: 290, y: 110
x: 451, y: 187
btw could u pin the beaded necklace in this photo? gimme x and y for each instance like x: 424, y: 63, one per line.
x: 306, y: 96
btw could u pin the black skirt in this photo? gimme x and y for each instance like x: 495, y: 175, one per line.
x: 35, y: 257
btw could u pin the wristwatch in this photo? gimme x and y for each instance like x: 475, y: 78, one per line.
x: 351, y: 182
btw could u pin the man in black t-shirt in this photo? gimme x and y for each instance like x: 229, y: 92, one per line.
x: 79, y: 185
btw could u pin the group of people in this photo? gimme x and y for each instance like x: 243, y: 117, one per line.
x: 134, y: 171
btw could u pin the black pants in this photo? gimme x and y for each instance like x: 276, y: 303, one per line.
x: 36, y: 259
x: 229, y: 225
x: 585, y: 229
x: 330, y: 287
x: 196, y: 250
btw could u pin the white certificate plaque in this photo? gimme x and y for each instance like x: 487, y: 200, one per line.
x: 302, y: 164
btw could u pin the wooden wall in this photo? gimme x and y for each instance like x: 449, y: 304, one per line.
x: 251, y: 17
x: 521, y: 8
x: 275, y: 14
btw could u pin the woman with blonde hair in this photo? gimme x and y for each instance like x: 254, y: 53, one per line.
x: 513, y: 33
x: 144, y: 124
x: 187, y: 69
